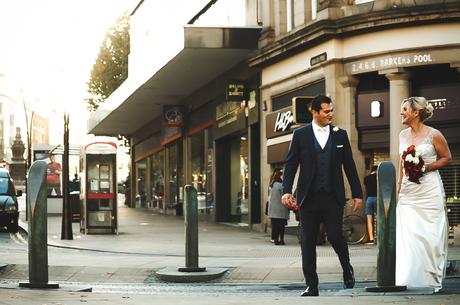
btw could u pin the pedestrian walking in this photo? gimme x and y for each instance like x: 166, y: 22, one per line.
x: 277, y: 212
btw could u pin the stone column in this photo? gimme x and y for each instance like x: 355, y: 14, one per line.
x: 347, y: 110
x: 399, y: 90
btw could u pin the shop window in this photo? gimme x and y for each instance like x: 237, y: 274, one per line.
x: 199, y: 178
x: 285, y: 100
x: 141, y: 169
x: 175, y: 180
x: 380, y: 156
x: 157, y: 179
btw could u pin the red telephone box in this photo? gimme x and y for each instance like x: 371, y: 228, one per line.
x: 99, y: 188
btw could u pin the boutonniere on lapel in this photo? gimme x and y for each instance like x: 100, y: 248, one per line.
x: 335, y: 129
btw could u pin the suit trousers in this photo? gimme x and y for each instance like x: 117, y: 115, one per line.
x: 321, y: 207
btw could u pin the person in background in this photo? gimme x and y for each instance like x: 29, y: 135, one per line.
x: 370, y: 182
x: 53, y: 177
x: 277, y: 212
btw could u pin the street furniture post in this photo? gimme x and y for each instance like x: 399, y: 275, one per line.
x: 66, y: 225
x: 37, y: 224
x: 386, y: 229
x: 191, y: 231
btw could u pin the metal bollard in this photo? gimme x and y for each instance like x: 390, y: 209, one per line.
x: 386, y: 229
x: 191, y: 231
x: 38, y: 231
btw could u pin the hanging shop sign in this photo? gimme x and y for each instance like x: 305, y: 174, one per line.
x: 235, y: 91
x: 173, y: 115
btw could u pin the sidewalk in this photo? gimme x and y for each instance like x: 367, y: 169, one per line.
x: 148, y: 242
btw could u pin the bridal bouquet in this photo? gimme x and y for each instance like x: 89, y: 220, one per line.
x: 293, y: 206
x: 414, y: 166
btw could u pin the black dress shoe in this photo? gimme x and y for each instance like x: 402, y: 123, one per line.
x: 311, y: 291
x: 349, y: 278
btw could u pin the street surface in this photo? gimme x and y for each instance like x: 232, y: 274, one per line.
x: 120, y: 269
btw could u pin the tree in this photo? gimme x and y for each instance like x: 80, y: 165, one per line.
x: 111, y: 67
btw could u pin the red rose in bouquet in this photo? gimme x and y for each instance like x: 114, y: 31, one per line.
x: 413, y: 163
x: 293, y: 206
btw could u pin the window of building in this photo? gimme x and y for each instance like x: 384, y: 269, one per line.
x: 285, y: 100
x: 314, y: 8
x: 141, y: 172
x: 198, y: 168
x: 175, y: 178
x: 289, y: 15
x: 158, y: 179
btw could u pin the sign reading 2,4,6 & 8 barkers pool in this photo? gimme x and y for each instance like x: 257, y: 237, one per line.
x: 385, y: 62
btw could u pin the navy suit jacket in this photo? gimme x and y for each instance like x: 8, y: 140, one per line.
x: 302, y: 152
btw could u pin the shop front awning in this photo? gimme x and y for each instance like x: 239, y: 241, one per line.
x: 207, y: 53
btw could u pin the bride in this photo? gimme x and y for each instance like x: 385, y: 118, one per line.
x: 421, y: 221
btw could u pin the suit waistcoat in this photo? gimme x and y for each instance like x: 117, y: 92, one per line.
x: 322, y: 181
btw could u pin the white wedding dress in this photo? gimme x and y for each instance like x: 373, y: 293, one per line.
x: 421, y: 224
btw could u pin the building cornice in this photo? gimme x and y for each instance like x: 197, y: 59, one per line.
x: 322, y: 30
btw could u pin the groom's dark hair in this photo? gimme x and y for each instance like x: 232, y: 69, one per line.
x: 318, y: 100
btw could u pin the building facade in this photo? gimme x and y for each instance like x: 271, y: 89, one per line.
x: 218, y: 115
x: 367, y: 56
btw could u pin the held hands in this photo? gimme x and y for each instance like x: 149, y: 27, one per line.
x: 356, y: 204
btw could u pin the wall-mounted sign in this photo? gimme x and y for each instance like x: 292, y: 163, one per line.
x: 279, y: 123
x: 173, y: 115
x: 318, y: 59
x: 235, y: 91
x: 376, y: 109
x: 283, y: 121
x: 391, y: 61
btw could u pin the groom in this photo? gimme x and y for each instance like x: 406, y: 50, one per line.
x: 321, y: 150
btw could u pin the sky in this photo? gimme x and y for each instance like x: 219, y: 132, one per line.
x: 48, y: 47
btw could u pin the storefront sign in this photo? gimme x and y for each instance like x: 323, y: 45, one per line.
x: 386, y: 62
x: 227, y: 113
x: 283, y: 121
x: 227, y: 121
x: 279, y: 123
x: 235, y: 91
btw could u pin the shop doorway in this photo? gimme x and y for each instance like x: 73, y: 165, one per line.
x: 232, y: 179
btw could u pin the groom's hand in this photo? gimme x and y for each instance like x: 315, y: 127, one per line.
x: 286, y: 200
x: 356, y: 204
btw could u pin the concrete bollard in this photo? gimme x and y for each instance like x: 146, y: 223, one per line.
x: 38, y: 235
x: 386, y: 229
x: 191, y: 231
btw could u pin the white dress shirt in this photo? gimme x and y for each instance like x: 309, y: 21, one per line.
x: 321, y: 133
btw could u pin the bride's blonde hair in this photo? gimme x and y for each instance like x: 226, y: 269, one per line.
x: 422, y: 105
